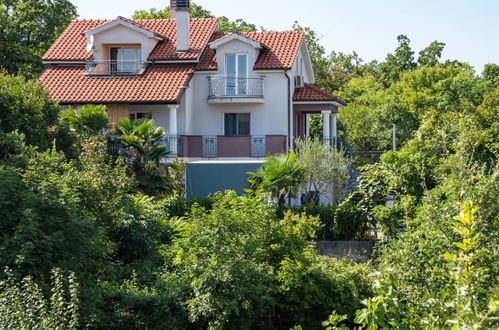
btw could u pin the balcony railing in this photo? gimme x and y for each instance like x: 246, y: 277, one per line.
x: 114, y: 68
x: 235, y: 87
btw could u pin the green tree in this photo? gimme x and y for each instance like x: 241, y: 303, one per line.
x: 243, y: 268
x: 87, y: 120
x: 26, y: 107
x: 491, y: 72
x: 325, y: 168
x: 144, y: 138
x: 27, y: 29
x: 281, y: 175
x: 197, y: 11
x: 398, y: 62
x: 431, y: 55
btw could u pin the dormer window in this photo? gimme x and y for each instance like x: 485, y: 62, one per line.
x: 236, y: 70
x: 124, y: 59
x: 120, y: 60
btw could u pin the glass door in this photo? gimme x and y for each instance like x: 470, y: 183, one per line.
x: 115, y: 56
x: 236, y: 70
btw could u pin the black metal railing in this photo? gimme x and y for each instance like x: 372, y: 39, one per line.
x: 233, y: 86
x: 258, y: 145
x: 114, y: 68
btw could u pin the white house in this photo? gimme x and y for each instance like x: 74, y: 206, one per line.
x: 222, y: 98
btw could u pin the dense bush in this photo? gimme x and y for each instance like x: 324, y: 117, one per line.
x: 341, y: 222
x: 23, y: 305
x: 243, y: 268
x: 26, y: 107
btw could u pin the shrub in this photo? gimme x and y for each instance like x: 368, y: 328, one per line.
x: 26, y: 107
x: 23, y: 305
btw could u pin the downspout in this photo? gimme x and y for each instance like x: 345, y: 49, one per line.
x: 290, y: 138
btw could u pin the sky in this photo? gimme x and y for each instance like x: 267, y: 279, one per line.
x: 469, y: 28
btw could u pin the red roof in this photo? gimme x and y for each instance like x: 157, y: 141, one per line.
x: 315, y: 94
x: 69, y: 84
x: 279, y: 50
x: 71, y: 44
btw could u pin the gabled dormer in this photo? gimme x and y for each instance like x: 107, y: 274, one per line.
x: 236, y: 54
x: 235, y: 81
x: 119, y: 47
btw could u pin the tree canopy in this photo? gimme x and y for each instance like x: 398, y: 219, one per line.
x: 27, y: 29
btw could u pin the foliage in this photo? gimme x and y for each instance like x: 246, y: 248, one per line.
x: 144, y: 139
x: 372, y: 108
x: 326, y: 169
x: 338, y: 222
x: 89, y: 119
x: 23, y: 305
x: 243, y: 268
x: 26, y: 107
x: 27, y: 29
x: 178, y: 177
x: 197, y: 11
x: 281, y: 175
x: 462, y: 295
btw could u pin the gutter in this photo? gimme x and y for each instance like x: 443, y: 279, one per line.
x: 290, y: 147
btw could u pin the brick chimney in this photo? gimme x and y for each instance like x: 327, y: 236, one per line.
x: 181, y: 12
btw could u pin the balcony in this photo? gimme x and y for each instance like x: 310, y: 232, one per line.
x: 115, y: 68
x: 232, y: 89
x: 213, y: 146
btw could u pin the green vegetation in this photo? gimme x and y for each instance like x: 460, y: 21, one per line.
x: 78, y: 197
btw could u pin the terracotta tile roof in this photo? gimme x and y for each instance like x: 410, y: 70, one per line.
x: 279, y: 50
x: 312, y: 93
x: 67, y: 84
x: 71, y: 44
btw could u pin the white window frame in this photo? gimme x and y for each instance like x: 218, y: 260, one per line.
x: 237, y: 75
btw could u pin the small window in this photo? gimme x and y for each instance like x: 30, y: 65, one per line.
x: 140, y: 115
x: 237, y: 124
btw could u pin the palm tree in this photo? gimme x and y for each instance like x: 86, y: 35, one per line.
x: 145, y: 150
x: 280, y: 175
x: 87, y: 120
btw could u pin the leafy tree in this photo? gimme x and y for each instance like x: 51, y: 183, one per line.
x: 23, y: 305
x: 281, y: 175
x: 430, y: 55
x: 87, y: 120
x: 491, y: 72
x: 243, y: 268
x: 197, y: 11
x: 26, y: 107
x: 402, y: 60
x: 144, y: 138
x: 27, y: 29
x: 325, y: 168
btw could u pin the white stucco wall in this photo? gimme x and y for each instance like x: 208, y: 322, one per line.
x: 122, y: 35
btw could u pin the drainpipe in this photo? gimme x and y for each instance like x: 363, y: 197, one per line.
x: 290, y: 130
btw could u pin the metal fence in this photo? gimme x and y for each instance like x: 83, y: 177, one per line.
x: 232, y: 86
x: 114, y: 68
x: 210, y: 146
x: 258, y: 145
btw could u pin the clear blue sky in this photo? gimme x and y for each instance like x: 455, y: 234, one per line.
x: 470, y: 28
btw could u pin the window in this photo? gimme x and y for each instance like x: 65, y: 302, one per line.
x: 125, y: 59
x: 237, y: 124
x: 140, y: 115
x: 236, y: 70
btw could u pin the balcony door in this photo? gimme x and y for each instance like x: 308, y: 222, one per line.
x: 236, y: 70
x: 124, y: 59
